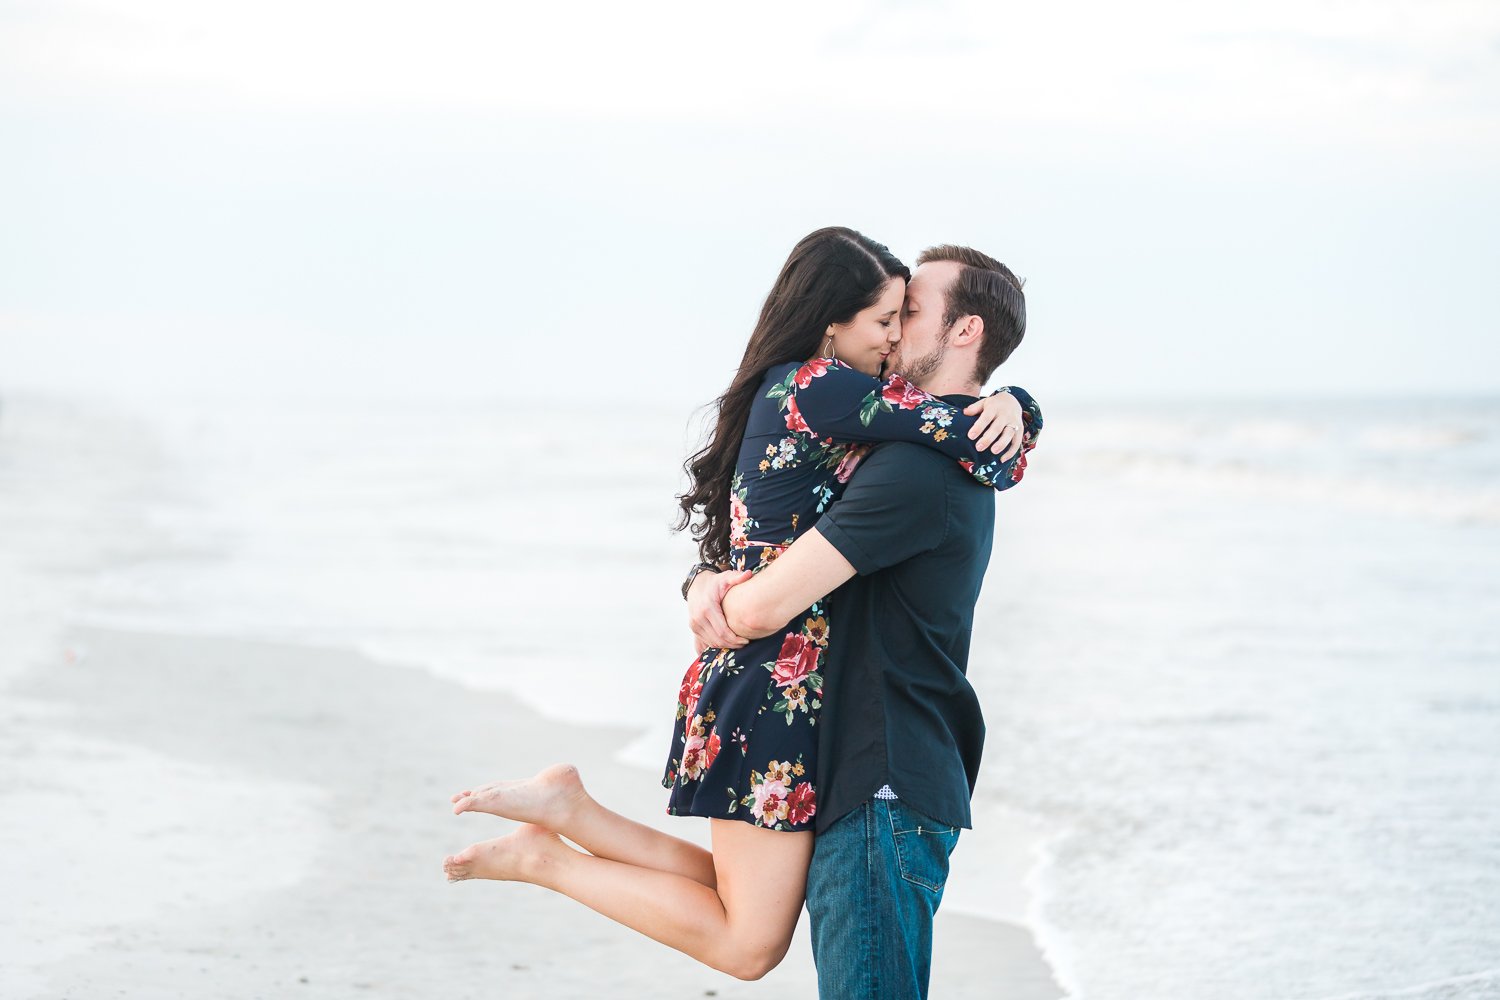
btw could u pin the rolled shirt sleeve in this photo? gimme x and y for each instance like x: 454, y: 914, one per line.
x: 892, y: 510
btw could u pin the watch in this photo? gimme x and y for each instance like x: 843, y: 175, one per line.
x: 693, y: 575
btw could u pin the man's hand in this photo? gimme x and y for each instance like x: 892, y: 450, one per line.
x: 808, y: 571
x: 998, y: 425
x: 706, y: 612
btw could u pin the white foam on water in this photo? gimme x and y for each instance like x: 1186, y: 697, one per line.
x: 1051, y: 940
x: 1474, y: 986
x: 1442, y: 463
x: 993, y: 863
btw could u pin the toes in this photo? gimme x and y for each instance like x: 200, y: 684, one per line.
x: 463, y: 805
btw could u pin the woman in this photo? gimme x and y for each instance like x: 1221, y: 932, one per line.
x: 799, y: 414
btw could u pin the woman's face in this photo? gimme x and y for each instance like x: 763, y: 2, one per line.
x: 864, y: 341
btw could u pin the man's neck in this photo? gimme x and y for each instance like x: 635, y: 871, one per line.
x: 941, y: 383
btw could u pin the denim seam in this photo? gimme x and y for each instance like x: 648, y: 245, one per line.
x: 867, y: 967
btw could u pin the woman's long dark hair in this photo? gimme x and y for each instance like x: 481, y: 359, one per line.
x: 830, y: 276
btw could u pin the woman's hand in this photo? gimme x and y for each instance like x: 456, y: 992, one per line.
x: 706, y: 610
x: 998, y: 426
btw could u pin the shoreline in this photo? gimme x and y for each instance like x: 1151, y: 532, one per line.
x: 255, y: 786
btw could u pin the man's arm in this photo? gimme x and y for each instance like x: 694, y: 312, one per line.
x: 893, y: 509
x: 809, y: 570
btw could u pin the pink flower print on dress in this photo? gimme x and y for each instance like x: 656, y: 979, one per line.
x: 798, y: 658
x: 904, y: 394
x: 801, y: 803
x: 852, y: 457
x: 695, y: 750
x: 1019, y: 469
x: 738, y: 515
x: 691, y: 690
x: 810, y: 371
x: 711, y: 749
x: 794, y: 421
x: 770, y: 805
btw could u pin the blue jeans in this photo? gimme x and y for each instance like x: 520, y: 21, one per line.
x: 875, y: 883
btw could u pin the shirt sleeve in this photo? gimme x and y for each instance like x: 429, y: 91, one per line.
x: 829, y: 399
x: 892, y: 510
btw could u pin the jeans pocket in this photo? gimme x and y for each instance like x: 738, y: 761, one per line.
x: 922, y: 846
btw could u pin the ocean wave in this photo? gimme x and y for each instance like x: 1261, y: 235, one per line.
x: 1397, y: 496
x: 1470, y: 986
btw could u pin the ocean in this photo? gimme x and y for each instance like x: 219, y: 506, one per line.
x: 1246, y: 710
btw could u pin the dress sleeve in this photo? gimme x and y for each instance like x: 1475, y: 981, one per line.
x: 1031, y: 415
x: 829, y: 399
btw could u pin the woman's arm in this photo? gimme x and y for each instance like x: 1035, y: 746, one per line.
x: 1031, y: 414
x: 1005, y: 474
x: 831, y: 400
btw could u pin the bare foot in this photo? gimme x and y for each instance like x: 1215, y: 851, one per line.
x: 517, y: 857
x: 548, y: 798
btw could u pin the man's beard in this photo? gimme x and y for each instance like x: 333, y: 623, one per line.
x: 917, y: 369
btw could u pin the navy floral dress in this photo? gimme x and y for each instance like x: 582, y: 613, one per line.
x: 745, y: 741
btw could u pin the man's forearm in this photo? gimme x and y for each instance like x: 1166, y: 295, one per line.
x: 809, y: 570
x: 746, y: 611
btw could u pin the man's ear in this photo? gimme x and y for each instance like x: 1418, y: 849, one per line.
x: 968, y: 332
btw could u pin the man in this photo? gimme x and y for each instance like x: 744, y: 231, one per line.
x: 901, y: 731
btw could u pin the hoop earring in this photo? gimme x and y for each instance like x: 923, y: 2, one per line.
x: 830, y: 353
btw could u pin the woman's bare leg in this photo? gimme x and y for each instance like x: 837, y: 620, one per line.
x: 743, y: 929
x: 556, y: 799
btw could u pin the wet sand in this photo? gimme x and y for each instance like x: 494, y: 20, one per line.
x: 207, y: 817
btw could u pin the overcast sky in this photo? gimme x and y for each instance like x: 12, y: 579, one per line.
x: 445, y: 198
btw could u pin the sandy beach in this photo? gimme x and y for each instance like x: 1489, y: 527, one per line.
x: 207, y: 817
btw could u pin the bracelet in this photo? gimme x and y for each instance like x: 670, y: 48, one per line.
x: 693, y: 575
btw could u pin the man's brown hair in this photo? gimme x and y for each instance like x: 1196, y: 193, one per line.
x: 986, y: 288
